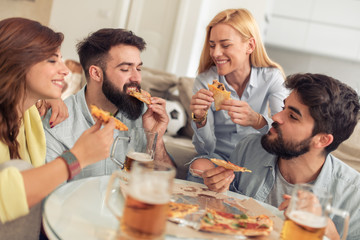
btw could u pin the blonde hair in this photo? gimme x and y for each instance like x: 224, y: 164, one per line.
x: 241, y: 20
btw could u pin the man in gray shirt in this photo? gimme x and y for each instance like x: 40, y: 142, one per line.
x: 319, y: 114
x: 111, y: 62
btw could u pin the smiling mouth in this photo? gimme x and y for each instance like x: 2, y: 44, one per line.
x: 59, y: 83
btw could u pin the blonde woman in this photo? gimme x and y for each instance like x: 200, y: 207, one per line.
x: 233, y: 54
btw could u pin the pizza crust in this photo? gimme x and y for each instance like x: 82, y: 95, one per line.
x: 180, y: 210
x: 106, y: 116
x: 229, y: 165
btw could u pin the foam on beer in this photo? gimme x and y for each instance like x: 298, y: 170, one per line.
x: 308, y: 219
x: 139, y: 156
x: 154, y: 191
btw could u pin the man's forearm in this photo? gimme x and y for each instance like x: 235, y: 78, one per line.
x: 161, y: 155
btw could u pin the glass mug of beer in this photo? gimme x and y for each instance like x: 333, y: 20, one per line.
x: 141, y: 146
x: 142, y: 205
x: 308, y: 213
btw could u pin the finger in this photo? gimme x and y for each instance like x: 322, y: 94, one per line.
x: 221, y: 185
x: 54, y: 116
x: 110, y: 126
x: 284, y: 205
x: 156, y: 100
x: 95, y: 127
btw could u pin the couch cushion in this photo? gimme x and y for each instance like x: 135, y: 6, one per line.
x: 185, y: 86
x: 158, y: 83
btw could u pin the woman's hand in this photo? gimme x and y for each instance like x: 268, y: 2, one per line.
x: 241, y: 113
x: 94, y: 144
x: 59, y: 110
x: 201, y: 102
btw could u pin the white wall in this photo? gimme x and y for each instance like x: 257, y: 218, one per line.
x: 173, y: 29
x: 76, y: 19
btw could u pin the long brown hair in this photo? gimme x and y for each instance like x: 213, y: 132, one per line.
x: 241, y: 20
x: 23, y: 43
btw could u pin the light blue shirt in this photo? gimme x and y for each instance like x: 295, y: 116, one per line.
x: 63, y: 136
x: 335, y: 177
x: 220, y: 135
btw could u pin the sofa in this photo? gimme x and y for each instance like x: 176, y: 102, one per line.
x: 179, y: 89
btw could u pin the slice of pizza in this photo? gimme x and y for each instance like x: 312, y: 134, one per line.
x: 140, y: 94
x: 220, y: 93
x: 180, y: 210
x: 229, y: 165
x: 105, y: 117
x: 228, y: 223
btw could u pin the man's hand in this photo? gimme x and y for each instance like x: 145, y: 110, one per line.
x: 155, y: 118
x: 218, y: 179
x: 58, y: 107
x: 330, y: 231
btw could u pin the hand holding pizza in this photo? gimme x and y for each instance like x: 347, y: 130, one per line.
x: 201, y: 102
x: 155, y: 119
x: 218, y: 179
x: 241, y: 113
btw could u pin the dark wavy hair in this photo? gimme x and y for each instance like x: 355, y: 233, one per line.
x: 94, y: 49
x: 23, y: 43
x: 333, y: 105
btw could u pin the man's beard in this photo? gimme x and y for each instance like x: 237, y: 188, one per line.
x: 131, y: 107
x: 285, y: 150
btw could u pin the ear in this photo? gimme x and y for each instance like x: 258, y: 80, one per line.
x: 323, y: 140
x: 95, y: 73
x: 251, y: 46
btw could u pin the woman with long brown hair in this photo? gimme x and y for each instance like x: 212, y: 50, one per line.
x: 31, y: 68
x: 233, y: 54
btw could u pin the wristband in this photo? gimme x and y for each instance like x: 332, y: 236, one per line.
x: 198, y: 120
x: 72, y: 163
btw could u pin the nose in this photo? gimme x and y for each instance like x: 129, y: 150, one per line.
x: 216, y: 51
x: 278, y: 117
x: 64, y: 70
x: 135, y: 76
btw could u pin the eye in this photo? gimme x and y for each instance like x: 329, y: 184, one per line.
x: 226, y: 46
x: 138, y: 69
x: 292, y: 116
x: 124, y: 70
x: 212, y: 45
x: 51, y: 61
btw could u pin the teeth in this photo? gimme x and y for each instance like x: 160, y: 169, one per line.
x: 59, y: 82
x: 221, y: 62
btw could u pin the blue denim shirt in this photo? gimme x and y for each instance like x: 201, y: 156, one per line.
x: 220, y: 135
x: 63, y: 136
x: 335, y: 177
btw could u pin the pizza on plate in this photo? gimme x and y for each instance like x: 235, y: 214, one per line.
x: 140, y: 94
x: 180, y: 210
x: 229, y: 165
x: 220, y: 93
x: 228, y: 223
x: 106, y: 116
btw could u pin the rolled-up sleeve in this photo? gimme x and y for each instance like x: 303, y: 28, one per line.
x: 13, y: 203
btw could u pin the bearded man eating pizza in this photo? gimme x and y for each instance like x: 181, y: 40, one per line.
x: 319, y: 114
x: 112, y: 64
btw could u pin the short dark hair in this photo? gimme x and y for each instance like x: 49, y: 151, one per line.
x: 94, y: 49
x: 333, y: 105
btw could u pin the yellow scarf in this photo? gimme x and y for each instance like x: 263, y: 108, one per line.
x: 31, y: 139
x: 13, y: 203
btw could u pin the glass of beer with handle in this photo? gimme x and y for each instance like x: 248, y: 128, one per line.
x: 308, y: 214
x: 140, y: 146
x: 141, y: 205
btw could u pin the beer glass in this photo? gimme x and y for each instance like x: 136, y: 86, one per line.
x: 308, y: 214
x: 142, y: 205
x: 140, y: 146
